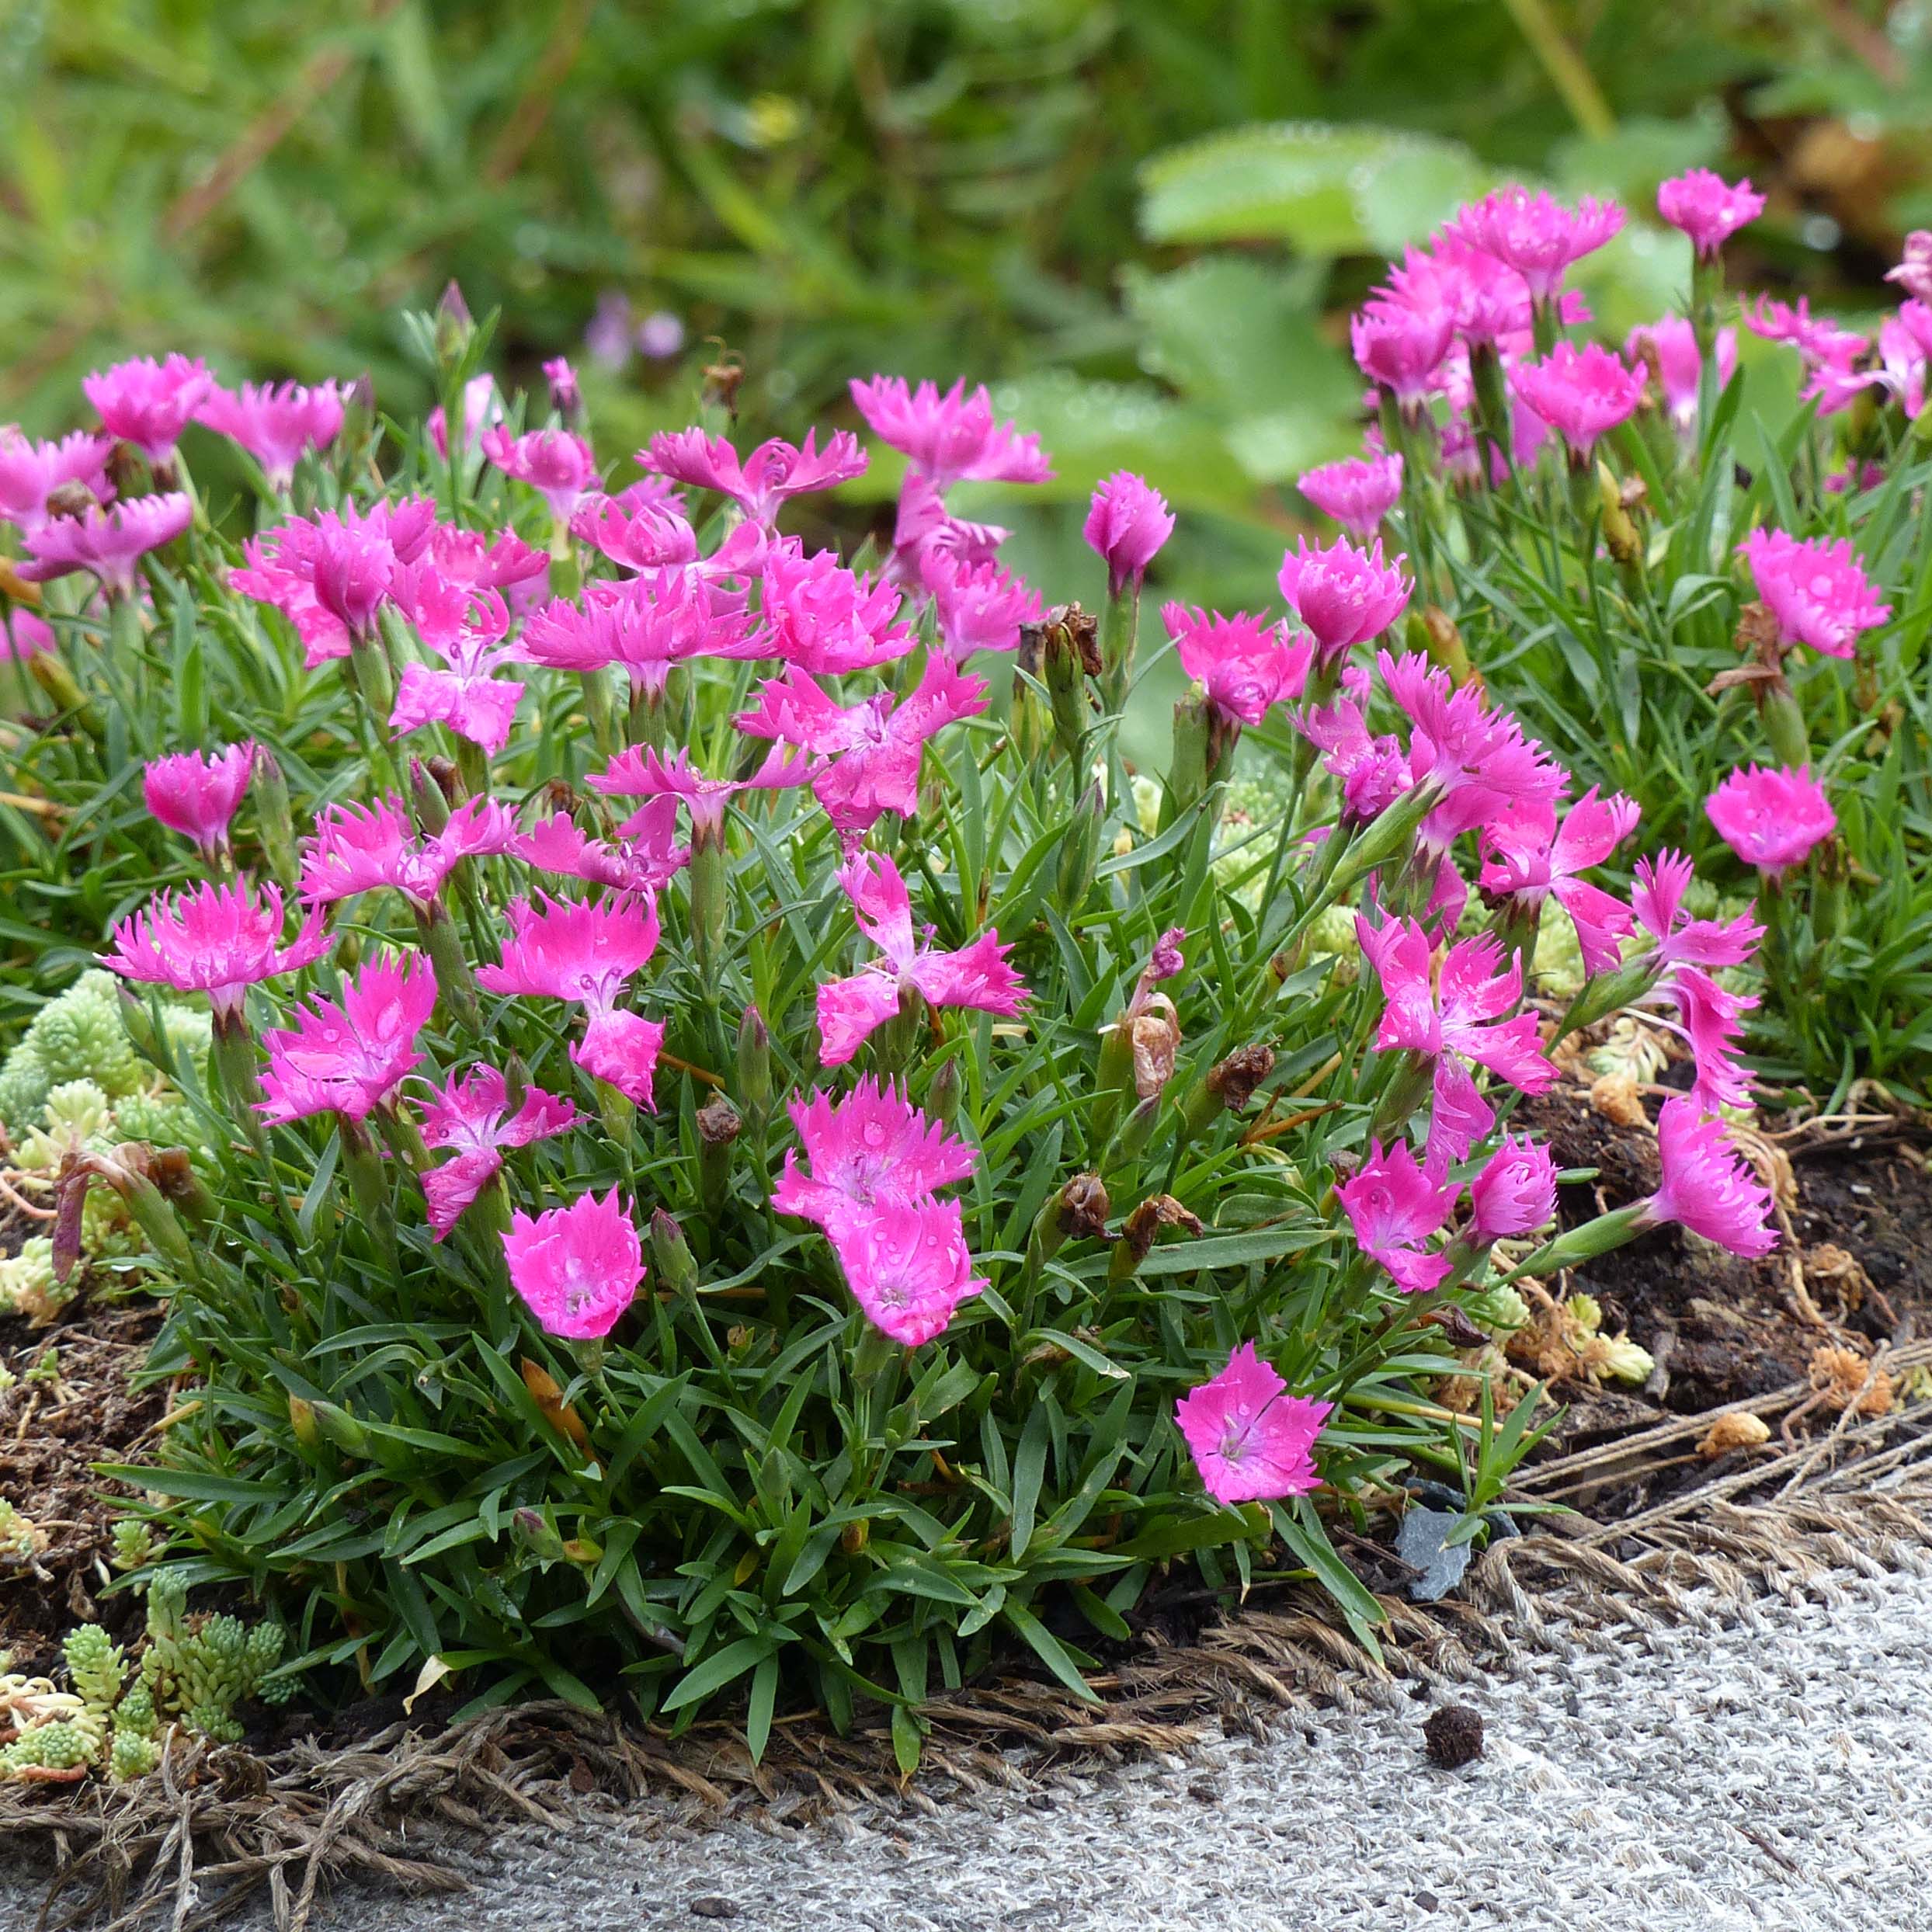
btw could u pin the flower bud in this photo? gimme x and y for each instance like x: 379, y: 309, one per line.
x: 942, y: 1096
x: 1620, y: 536
x: 1128, y: 524
x: 1080, y: 851
x: 1067, y: 643
x: 533, y: 1529
x: 676, y: 1265
x: 754, y: 1061
x: 342, y: 1429
x: 273, y: 819
x: 301, y: 1420
x: 455, y: 325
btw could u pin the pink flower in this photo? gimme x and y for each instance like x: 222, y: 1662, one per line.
x: 1914, y: 272
x: 1251, y: 1440
x: 1771, y: 818
x: 643, y: 772
x: 1657, y: 899
x: 1712, y: 1020
x: 1670, y: 343
x: 872, y: 1149
x: 481, y: 404
x: 1701, y: 205
x: 1128, y: 524
x: 1579, y: 392
x: 196, y: 796
x: 768, y: 478
x: 977, y: 976
x: 1478, y: 759
x: 976, y: 607
x: 148, y: 403
x: 108, y: 542
x: 557, y: 464
x: 1373, y: 770
x: 1394, y: 1205
x: 565, y: 398
x: 577, y: 1268
x: 29, y: 472
x: 949, y: 438
x: 1457, y: 1012
x: 825, y: 619
x: 1400, y: 349
x: 1516, y: 1192
x: 872, y: 749
x: 908, y: 1267
x: 1537, y: 236
x: 1242, y: 664
x: 1816, y: 588
x: 1528, y: 858
x: 1487, y: 301
x: 1358, y: 494
x: 350, y: 1059
x: 466, y: 627
x: 472, y: 1116
x: 638, y: 536
x: 586, y: 954
x: 218, y: 939
x: 356, y: 848
x: 24, y: 635
x: 924, y: 528
x: 648, y: 624
x: 649, y: 858
x: 1344, y: 595
x: 1706, y: 1185
x: 275, y: 422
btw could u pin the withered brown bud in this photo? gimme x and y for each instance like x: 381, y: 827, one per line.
x: 1233, y: 1080
x: 1153, y: 1035
x: 1457, y: 1328
x: 1084, y: 1208
x: 1147, y: 1221
x: 718, y: 1122
x: 448, y: 779
x: 1065, y: 626
x: 71, y: 499
x: 558, y: 794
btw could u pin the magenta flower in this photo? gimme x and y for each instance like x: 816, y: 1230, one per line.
x: 1395, y: 1206
x: 481, y: 404
x: 1771, y: 818
x: 1527, y: 858
x: 977, y: 976
x: 1914, y: 271
x: 585, y: 953
x: 1699, y: 203
x: 466, y: 627
x: 356, y: 848
x: 107, y: 542
x: 565, y: 397
x: 976, y: 607
x: 643, y: 772
x: 1516, y: 1192
x: 350, y: 1059
x: 218, y: 939
x: 1252, y: 1441
x: 197, y: 796
x: 1579, y: 393
x: 577, y: 1268
x: 557, y: 464
x: 1817, y: 338
x: 473, y: 1117
x: 1344, y: 595
x: 647, y: 623
x: 30, y: 472
x: 1373, y: 770
x: 148, y: 403
x: 1670, y: 343
x: 24, y: 634
x: 1477, y: 758
x: 872, y: 1149
x: 1455, y: 1014
x: 870, y: 750
x: 923, y: 528
x: 1400, y: 349
x: 826, y: 620
x: 644, y: 536
x: 1128, y: 522
x: 1657, y: 899
x: 1537, y: 235
x: 648, y: 858
x: 1711, y: 1019
x: 767, y: 479
x: 1706, y: 1185
x: 275, y: 422
x: 1816, y: 588
x: 1243, y: 663
x: 908, y: 1268
x: 949, y: 438
x: 1358, y: 494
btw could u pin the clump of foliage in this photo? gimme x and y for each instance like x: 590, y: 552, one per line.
x: 190, y: 1670
x: 752, y: 1155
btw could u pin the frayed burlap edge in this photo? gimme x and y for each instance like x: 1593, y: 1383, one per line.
x: 215, y: 1826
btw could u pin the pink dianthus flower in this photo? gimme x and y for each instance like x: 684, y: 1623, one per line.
x: 577, y: 1268
x: 1815, y: 587
x: 1252, y: 1441
x: 196, y: 796
x: 1771, y: 818
x: 1395, y: 1206
x: 473, y: 1119
x: 350, y: 1058
x: 218, y: 939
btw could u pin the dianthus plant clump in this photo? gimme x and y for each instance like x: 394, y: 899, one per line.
x: 756, y: 1157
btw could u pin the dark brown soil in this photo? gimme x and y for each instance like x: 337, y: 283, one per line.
x: 52, y: 1431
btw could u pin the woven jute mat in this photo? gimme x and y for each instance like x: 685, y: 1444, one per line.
x: 216, y: 1828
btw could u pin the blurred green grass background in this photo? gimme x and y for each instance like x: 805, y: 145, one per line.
x: 1144, y: 220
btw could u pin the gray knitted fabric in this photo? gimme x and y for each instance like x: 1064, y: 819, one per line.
x: 1773, y: 1770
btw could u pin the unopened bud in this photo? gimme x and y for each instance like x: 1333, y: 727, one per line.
x: 273, y: 818
x: 455, y: 324
x: 301, y: 1419
x: 942, y: 1096
x: 431, y: 796
x: 1067, y: 642
x: 754, y: 1060
x: 677, y: 1266
x: 533, y: 1529
x: 1620, y: 536
x: 342, y: 1429
x: 1079, y: 851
